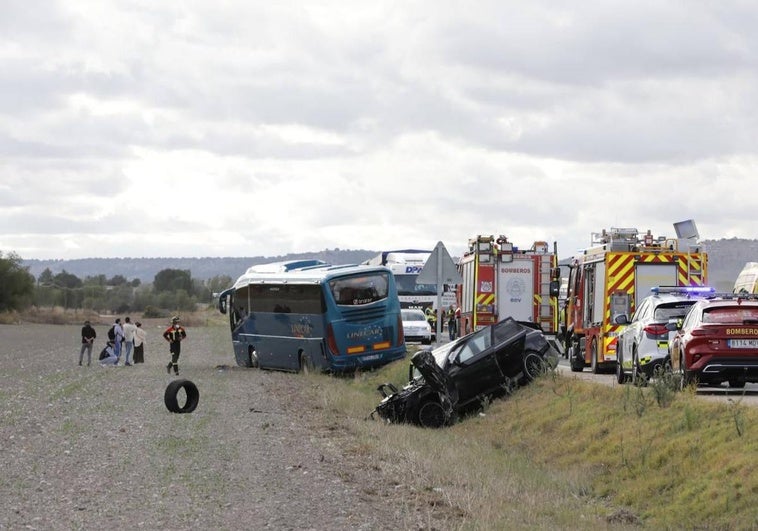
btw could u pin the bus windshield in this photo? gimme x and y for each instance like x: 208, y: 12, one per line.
x: 358, y: 290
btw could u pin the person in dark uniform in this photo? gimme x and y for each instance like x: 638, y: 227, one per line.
x: 88, y: 338
x: 174, y: 334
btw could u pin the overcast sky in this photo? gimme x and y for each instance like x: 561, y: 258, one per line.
x: 142, y: 128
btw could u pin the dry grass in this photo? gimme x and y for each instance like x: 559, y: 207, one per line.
x: 558, y: 454
x: 563, y: 453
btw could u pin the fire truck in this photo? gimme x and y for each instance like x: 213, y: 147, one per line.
x: 610, y: 278
x: 500, y: 281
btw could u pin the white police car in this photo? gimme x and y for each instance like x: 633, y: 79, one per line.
x: 643, y: 345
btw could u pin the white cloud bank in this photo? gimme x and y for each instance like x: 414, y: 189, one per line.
x: 239, y: 128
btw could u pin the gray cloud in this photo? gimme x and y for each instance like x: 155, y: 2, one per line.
x: 252, y: 128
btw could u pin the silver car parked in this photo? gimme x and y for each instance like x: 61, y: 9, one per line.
x: 643, y: 345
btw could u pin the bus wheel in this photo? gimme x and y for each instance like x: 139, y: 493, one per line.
x: 170, y: 397
x: 252, y: 357
x: 306, y: 365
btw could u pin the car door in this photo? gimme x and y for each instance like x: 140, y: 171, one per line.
x: 633, y: 332
x: 474, y: 369
x: 509, y: 339
x: 676, y: 348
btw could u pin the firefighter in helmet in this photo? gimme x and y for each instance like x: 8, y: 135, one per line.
x: 174, y: 334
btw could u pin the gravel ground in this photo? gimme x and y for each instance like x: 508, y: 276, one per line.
x: 95, y: 448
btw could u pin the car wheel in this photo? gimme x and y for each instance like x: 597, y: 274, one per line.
x: 620, y: 375
x: 737, y: 384
x: 171, y: 399
x: 593, y: 357
x: 687, y: 377
x: 306, y: 365
x: 678, y: 376
x: 431, y: 415
x: 534, y: 365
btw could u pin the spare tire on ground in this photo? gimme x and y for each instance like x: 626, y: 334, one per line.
x: 171, y: 397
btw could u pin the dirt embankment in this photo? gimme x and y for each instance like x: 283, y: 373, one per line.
x: 93, y: 447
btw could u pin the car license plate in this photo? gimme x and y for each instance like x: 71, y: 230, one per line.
x: 743, y: 343
x: 372, y: 357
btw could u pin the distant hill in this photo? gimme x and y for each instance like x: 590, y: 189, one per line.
x: 726, y: 257
x: 145, y: 269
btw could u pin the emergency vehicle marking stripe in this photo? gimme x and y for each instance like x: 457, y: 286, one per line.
x: 485, y: 298
x: 620, y: 269
x: 690, y: 271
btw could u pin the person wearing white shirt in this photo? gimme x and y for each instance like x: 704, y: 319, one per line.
x: 139, y: 343
x: 129, y: 330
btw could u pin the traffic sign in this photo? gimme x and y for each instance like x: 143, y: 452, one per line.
x: 439, y: 268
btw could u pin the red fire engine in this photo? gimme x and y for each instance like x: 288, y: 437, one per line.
x: 611, y: 278
x: 500, y: 281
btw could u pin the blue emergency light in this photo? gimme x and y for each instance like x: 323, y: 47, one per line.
x: 689, y: 290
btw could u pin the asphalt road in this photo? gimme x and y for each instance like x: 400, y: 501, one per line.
x: 748, y: 395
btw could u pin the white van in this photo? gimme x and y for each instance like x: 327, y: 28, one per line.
x: 747, y: 280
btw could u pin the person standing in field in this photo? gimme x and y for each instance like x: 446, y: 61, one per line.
x: 129, y: 329
x: 174, y: 334
x: 118, y: 338
x: 88, y: 339
x: 139, y: 343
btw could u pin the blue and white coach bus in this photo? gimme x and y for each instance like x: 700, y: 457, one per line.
x: 306, y: 315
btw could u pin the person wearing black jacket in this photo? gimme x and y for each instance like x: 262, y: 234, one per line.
x: 174, y: 334
x: 88, y: 338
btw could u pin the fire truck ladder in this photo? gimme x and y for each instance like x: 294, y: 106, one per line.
x: 695, y: 268
x: 546, y: 320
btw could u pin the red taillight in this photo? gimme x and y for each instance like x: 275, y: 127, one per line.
x: 331, y: 341
x: 702, y: 332
x: 400, y: 332
x: 656, y: 330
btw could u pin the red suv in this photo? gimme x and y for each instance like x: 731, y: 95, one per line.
x: 718, y: 342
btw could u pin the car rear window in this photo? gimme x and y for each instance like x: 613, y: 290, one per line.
x: 664, y: 312
x: 730, y: 314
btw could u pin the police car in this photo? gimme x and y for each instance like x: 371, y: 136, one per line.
x: 643, y: 345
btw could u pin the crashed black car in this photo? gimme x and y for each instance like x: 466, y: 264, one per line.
x: 456, y: 378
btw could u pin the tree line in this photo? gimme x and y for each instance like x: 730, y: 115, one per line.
x: 171, y: 290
